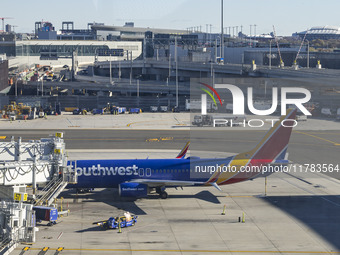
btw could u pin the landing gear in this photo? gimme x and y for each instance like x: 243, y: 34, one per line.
x: 88, y: 190
x: 162, y: 193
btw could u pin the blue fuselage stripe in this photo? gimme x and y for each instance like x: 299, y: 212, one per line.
x: 110, y: 173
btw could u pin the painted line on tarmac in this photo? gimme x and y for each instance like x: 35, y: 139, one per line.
x: 152, y: 121
x: 317, y: 137
x: 198, y: 251
x: 159, y: 139
x: 122, y: 150
x: 131, y: 123
x: 146, y: 121
x: 99, y: 139
x: 240, y: 196
x: 323, y: 133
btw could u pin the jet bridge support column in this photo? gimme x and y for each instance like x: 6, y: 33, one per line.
x: 34, y: 177
x: 18, y: 152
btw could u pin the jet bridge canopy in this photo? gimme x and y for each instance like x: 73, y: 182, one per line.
x: 35, y: 162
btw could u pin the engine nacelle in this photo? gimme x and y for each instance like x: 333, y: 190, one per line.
x: 133, y: 189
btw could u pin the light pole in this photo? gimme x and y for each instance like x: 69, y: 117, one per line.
x: 16, y: 87
x: 119, y: 71
x: 42, y: 87
x: 216, y: 48
x: 307, y: 53
x: 270, y: 54
x: 206, y: 33
x: 130, y: 66
x: 28, y: 56
x: 242, y: 37
x: 110, y: 70
x: 176, y: 71
x: 222, y: 36
x: 168, y: 79
x: 250, y: 36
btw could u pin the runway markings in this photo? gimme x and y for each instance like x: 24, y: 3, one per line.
x: 166, y: 138
x: 137, y: 122
x: 193, y: 251
x: 239, y: 196
x: 159, y: 139
x: 152, y: 140
x: 317, y: 137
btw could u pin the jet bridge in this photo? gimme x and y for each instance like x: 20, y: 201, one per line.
x: 34, y: 162
x: 38, y: 162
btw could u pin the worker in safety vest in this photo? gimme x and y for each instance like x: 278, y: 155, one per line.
x: 127, y: 216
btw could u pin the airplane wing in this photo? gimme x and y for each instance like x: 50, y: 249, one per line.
x: 172, y: 183
x: 183, y: 152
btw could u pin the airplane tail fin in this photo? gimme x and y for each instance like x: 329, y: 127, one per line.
x: 183, y: 152
x: 272, y: 148
x: 274, y: 144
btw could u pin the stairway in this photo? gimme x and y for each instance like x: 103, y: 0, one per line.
x: 51, y: 191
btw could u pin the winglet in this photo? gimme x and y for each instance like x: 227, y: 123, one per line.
x: 183, y: 152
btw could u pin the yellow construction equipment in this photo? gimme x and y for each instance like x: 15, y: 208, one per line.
x: 16, y: 111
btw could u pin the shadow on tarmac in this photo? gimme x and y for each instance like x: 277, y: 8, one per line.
x: 111, y: 197
x: 91, y: 229
x: 203, y: 195
x: 319, y: 213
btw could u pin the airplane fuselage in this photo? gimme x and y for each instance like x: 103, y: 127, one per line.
x: 111, y: 173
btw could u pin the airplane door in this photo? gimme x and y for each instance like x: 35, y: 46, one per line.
x: 148, y: 172
x: 73, y: 164
x: 71, y: 176
x: 141, y: 172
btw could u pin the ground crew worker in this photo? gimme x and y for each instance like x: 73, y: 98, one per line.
x: 127, y: 216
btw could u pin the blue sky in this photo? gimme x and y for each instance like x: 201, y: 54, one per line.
x: 288, y: 16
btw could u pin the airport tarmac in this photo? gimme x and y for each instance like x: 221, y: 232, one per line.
x: 298, y: 215
x: 305, y: 147
x: 151, y: 121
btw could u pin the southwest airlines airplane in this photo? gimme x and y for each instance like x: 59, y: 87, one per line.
x: 137, y: 177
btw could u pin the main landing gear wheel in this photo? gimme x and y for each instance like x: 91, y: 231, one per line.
x: 163, y: 195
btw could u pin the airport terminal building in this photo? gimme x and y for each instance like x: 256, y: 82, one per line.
x: 60, y: 52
